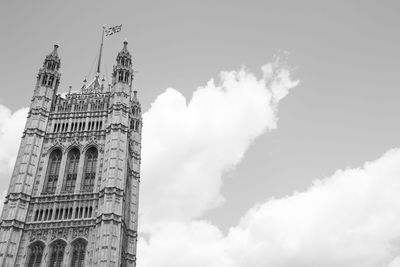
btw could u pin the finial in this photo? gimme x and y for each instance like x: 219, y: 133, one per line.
x: 54, y: 53
x: 85, y: 80
x: 56, y: 45
x: 125, y: 43
x: 70, y: 88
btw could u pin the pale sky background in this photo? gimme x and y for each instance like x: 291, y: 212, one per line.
x: 345, y: 54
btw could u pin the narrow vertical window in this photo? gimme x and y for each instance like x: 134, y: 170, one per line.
x: 78, y: 253
x: 137, y: 126
x: 36, y: 215
x: 57, y: 254
x: 90, y: 169
x: 50, y: 81
x: 44, y: 79
x: 36, y: 254
x: 61, y: 214
x: 71, y: 170
x: 53, y: 171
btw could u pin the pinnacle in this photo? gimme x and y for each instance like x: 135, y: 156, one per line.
x: 54, y: 53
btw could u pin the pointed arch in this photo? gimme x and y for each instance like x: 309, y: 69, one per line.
x: 53, y: 171
x: 71, y: 171
x: 57, y: 251
x: 89, y: 173
x: 78, y: 252
x: 35, y: 254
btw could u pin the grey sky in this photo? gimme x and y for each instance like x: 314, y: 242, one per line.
x: 345, y: 53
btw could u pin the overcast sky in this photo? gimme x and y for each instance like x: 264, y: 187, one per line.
x: 341, y: 61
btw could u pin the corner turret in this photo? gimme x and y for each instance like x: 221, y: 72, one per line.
x: 123, y: 72
x: 49, y: 75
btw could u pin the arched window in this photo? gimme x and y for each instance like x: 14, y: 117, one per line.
x: 137, y: 126
x: 90, y: 169
x: 57, y: 254
x: 44, y: 79
x: 71, y: 170
x: 78, y: 253
x: 36, y: 254
x: 50, y: 81
x: 53, y: 171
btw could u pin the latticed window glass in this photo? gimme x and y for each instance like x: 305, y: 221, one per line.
x: 90, y: 169
x: 36, y: 254
x: 57, y: 254
x: 78, y: 254
x: 71, y: 170
x: 53, y: 171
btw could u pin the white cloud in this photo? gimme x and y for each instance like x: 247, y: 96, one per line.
x: 188, y: 146
x: 11, y: 127
x: 351, y: 219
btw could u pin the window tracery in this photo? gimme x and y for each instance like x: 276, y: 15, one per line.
x: 71, y: 170
x: 53, y: 171
x: 36, y: 254
x: 90, y: 169
x: 57, y: 254
x: 78, y: 253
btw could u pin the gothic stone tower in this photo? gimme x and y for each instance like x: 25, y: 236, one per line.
x: 73, y: 195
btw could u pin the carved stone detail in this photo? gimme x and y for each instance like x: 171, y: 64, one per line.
x: 80, y: 232
x: 38, y: 234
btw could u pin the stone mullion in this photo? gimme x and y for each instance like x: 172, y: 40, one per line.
x: 74, y: 205
x: 87, y: 119
x: 46, y: 256
x: 78, y: 182
x: 60, y: 181
x: 67, y: 255
x: 69, y: 121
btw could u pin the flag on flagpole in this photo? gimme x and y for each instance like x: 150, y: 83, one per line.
x: 112, y: 30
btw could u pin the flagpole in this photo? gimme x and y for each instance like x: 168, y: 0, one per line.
x: 101, y: 50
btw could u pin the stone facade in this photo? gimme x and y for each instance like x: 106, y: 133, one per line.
x: 73, y: 194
